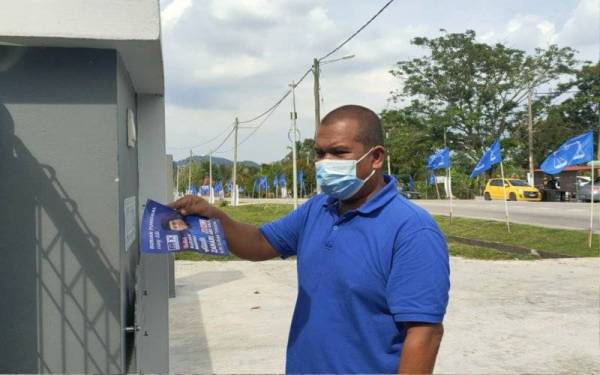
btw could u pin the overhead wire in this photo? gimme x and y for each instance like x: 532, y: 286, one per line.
x: 271, y: 109
x: 268, y: 110
x: 268, y: 115
x: 357, y: 31
x: 222, y: 142
x: 205, y: 142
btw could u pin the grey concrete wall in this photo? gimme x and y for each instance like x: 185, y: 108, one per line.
x: 128, y: 189
x: 170, y: 197
x: 153, y: 340
x: 61, y: 185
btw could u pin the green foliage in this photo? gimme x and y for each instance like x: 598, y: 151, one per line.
x: 467, y: 251
x: 557, y: 122
x: 569, y: 242
x: 561, y: 241
x: 473, y: 91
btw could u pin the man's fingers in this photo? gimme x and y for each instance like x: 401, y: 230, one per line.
x: 178, y: 203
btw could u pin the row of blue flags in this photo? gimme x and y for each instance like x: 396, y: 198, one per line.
x: 576, y: 150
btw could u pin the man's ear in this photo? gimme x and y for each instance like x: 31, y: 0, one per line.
x: 378, y: 156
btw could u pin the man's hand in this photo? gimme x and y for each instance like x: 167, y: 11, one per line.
x: 192, y: 205
x: 420, y: 348
x: 244, y: 240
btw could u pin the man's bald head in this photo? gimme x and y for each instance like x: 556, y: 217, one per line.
x: 369, y: 133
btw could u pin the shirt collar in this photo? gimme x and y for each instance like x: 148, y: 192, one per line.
x: 380, y: 199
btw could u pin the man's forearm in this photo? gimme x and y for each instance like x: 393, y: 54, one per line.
x: 245, y: 240
x: 420, y: 349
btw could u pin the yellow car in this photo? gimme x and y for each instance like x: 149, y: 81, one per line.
x: 516, y: 190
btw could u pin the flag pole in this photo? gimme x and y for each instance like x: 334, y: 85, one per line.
x: 591, y: 230
x: 505, y: 196
x: 449, y: 179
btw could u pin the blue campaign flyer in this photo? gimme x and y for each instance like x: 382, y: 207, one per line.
x: 164, y: 230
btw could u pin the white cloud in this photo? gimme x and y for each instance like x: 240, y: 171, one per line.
x: 232, y: 10
x: 528, y: 31
x: 173, y: 12
x: 228, y: 58
x: 582, y: 29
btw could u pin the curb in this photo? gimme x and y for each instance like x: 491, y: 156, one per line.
x: 508, y: 248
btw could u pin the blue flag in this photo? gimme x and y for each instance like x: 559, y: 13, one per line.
x: 229, y: 187
x: 218, y: 187
x: 263, y: 183
x: 431, y: 179
x: 576, y: 150
x: 193, y: 190
x: 301, y: 180
x: 282, y: 181
x: 491, y: 156
x: 255, y: 186
x: 275, y: 181
x: 439, y: 159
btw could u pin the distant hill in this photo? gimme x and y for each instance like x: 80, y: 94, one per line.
x: 216, y: 161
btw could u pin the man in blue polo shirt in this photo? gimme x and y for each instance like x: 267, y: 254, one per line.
x: 373, y: 273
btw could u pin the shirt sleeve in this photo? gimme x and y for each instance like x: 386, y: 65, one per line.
x: 284, y: 234
x: 419, y: 280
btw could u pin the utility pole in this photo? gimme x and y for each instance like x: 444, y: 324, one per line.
x: 598, y: 151
x: 234, y: 192
x: 211, y: 196
x: 317, y: 95
x: 177, y: 182
x: 294, y: 116
x: 190, y: 174
x: 530, y: 131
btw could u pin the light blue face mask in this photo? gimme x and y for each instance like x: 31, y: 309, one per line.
x: 337, y: 177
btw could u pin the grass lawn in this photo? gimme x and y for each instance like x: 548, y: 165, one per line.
x: 568, y: 242
x: 562, y: 241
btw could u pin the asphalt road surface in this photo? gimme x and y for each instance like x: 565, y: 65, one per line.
x: 568, y: 215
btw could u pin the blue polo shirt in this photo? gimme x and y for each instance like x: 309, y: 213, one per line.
x: 361, y: 276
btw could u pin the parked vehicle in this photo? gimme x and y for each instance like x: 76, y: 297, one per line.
x: 585, y: 191
x: 411, y: 194
x: 516, y: 190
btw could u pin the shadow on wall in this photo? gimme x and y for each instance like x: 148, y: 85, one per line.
x: 57, y: 285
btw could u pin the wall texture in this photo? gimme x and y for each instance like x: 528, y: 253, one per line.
x: 64, y: 172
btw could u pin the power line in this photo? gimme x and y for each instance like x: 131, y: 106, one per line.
x: 205, y: 142
x: 268, y: 115
x: 223, y: 142
x: 309, y: 70
x: 357, y: 31
x: 268, y: 110
x: 271, y: 109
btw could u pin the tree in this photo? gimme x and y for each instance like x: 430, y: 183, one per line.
x: 573, y: 116
x: 473, y: 91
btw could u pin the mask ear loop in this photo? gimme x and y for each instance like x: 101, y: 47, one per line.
x: 365, y: 155
x: 361, y: 158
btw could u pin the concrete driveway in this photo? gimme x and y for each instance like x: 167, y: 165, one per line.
x: 504, y: 317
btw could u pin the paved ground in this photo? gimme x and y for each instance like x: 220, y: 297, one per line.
x: 504, y: 317
x: 570, y: 215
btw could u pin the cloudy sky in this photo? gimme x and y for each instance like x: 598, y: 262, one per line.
x: 228, y: 58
